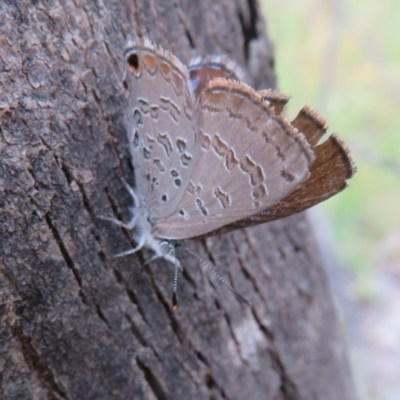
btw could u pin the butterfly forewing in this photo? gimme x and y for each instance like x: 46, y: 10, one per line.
x: 162, y: 126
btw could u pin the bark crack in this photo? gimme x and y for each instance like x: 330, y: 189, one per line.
x: 33, y: 359
x: 249, y: 28
x: 136, y: 332
x: 287, y: 387
x: 64, y: 252
x: 209, y: 380
x: 185, y: 25
x: 152, y: 380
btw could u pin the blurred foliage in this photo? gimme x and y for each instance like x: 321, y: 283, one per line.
x: 343, y: 59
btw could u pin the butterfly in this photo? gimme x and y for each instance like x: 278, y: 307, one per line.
x: 212, y: 155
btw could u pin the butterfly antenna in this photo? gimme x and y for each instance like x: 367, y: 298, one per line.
x: 176, y: 271
x: 220, y: 278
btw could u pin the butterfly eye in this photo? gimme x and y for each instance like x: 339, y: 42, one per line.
x: 133, y: 62
x: 124, y: 84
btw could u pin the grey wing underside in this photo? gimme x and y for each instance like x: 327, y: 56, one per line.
x: 162, y: 129
x: 249, y: 159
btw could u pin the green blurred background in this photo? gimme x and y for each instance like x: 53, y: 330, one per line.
x: 343, y: 59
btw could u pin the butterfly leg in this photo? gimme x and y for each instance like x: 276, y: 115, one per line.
x: 131, y: 191
x: 131, y: 251
x: 157, y: 254
x: 126, y: 225
x: 153, y: 258
x: 167, y: 255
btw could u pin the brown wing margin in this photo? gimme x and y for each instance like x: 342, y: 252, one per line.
x: 329, y: 173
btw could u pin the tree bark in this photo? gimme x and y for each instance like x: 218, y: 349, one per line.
x: 77, y: 323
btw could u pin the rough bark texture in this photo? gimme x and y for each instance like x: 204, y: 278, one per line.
x: 77, y: 323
